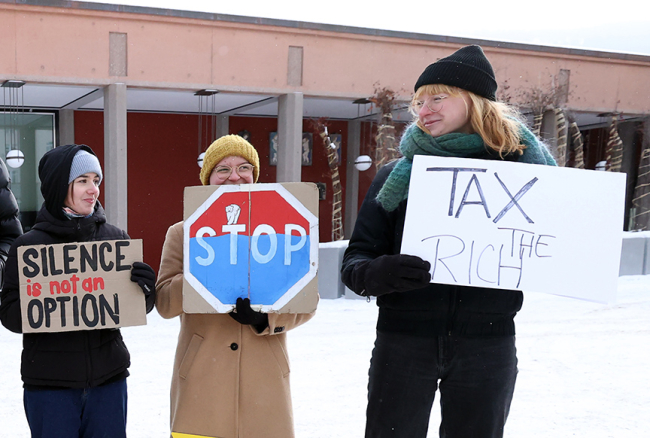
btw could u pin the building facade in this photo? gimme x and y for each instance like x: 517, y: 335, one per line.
x: 148, y: 89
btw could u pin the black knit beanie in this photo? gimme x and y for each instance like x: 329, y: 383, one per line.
x: 466, y: 68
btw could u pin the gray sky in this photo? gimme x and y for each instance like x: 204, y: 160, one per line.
x: 588, y: 24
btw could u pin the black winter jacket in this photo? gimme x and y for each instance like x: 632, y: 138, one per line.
x: 78, y: 359
x: 438, y: 309
x: 10, y: 227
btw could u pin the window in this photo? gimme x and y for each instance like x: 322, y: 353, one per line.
x: 33, y: 135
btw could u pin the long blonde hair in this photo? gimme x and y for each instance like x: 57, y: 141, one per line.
x: 496, y: 122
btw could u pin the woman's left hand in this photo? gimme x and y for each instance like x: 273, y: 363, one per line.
x: 145, y: 276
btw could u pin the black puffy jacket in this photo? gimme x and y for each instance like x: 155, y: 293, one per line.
x: 10, y: 227
x: 438, y: 309
x: 76, y: 359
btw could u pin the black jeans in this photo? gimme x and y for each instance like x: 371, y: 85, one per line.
x: 476, y: 377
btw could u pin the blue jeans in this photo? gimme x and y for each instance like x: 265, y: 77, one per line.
x: 476, y: 377
x: 98, y: 412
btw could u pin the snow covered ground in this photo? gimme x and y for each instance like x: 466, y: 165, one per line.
x: 584, y: 370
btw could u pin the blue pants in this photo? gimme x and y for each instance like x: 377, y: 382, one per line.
x: 476, y: 378
x: 98, y: 412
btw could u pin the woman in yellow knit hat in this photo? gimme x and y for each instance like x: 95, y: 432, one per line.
x: 231, y: 371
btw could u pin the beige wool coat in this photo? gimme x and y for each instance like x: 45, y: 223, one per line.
x: 228, y: 381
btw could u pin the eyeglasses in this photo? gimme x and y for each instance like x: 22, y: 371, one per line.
x: 243, y: 170
x: 434, y: 103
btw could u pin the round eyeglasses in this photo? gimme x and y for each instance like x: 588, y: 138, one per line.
x: 243, y: 170
x: 434, y: 103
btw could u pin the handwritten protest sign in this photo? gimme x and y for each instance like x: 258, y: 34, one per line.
x: 80, y: 286
x: 517, y: 226
x: 256, y: 241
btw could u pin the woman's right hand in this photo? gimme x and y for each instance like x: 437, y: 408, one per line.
x: 395, y: 273
x: 245, y: 315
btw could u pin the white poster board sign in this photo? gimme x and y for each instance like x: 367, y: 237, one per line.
x: 517, y: 226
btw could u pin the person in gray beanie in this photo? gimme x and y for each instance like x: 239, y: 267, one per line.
x: 456, y: 339
x: 74, y: 381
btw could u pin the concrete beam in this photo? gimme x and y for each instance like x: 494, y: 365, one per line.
x: 115, y: 155
x: 249, y: 106
x: 84, y: 100
x: 289, y: 137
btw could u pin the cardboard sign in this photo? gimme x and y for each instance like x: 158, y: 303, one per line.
x: 256, y: 241
x: 517, y: 226
x: 80, y: 286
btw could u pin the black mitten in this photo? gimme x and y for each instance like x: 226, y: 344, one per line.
x: 243, y: 314
x: 395, y: 273
x: 145, y: 276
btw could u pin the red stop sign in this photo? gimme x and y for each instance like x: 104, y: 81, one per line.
x: 256, y: 241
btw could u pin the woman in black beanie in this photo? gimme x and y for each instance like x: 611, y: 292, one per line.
x: 74, y: 381
x: 458, y: 339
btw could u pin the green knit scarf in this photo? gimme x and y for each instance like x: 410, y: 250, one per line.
x: 417, y: 142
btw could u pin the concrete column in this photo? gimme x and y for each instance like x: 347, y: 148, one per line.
x: 289, y: 138
x: 115, y: 156
x: 66, y: 127
x: 351, y: 177
x: 223, y: 125
x: 627, y: 133
x: 549, y: 131
x: 560, y: 132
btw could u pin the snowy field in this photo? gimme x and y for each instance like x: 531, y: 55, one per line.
x: 584, y: 370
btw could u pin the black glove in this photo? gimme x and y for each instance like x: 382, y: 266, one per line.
x: 145, y: 276
x: 395, y: 273
x: 243, y: 314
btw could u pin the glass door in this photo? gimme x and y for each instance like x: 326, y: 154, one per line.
x: 33, y: 135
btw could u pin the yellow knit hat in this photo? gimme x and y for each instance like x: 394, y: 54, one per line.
x: 228, y: 146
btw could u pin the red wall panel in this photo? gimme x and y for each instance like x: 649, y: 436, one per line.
x: 89, y: 130
x: 162, y: 152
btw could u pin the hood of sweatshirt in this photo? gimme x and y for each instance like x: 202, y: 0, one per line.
x: 54, y: 171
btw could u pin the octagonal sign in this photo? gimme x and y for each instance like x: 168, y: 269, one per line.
x: 254, y: 240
